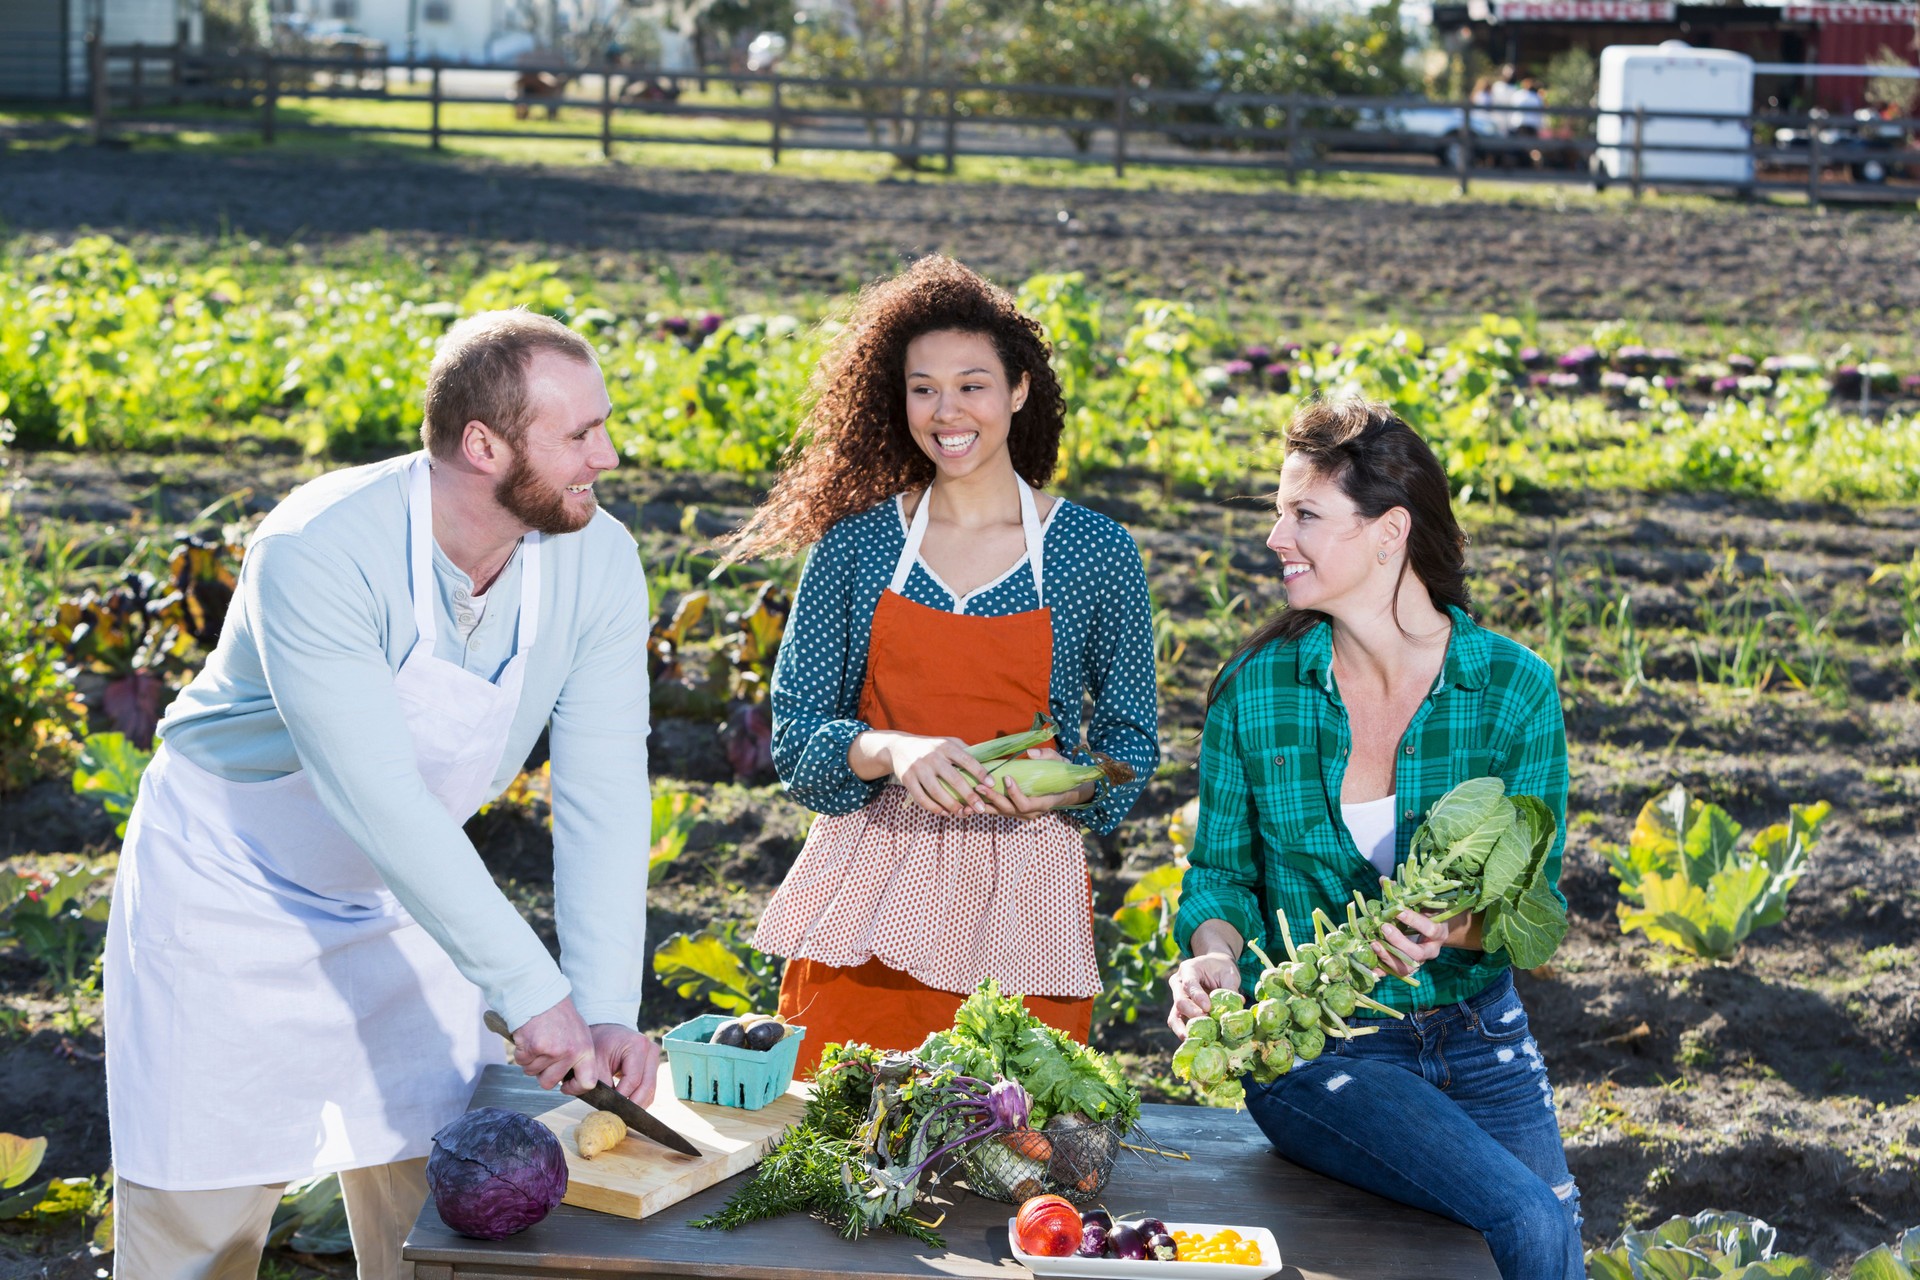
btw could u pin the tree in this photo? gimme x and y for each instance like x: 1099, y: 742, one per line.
x: 570, y: 32
x: 1100, y: 44
x: 1898, y: 92
x: 923, y: 41
x: 1276, y: 51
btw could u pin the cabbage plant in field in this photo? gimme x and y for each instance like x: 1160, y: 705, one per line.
x: 1687, y: 885
x: 1713, y: 1245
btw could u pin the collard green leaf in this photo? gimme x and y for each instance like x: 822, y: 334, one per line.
x: 1881, y: 1263
x: 1737, y: 1238
x: 1534, y: 823
x: 1473, y: 849
x: 1675, y: 1262
x: 1610, y: 1265
x: 1459, y: 813
x: 703, y: 965
x: 24, y: 1201
x: 109, y: 771
x: 1785, y: 1267
x: 1672, y: 911
x: 312, y: 1217
x: 1710, y: 841
x: 19, y: 1157
x: 1733, y: 896
x: 1504, y: 875
x: 1529, y: 930
x: 1786, y: 848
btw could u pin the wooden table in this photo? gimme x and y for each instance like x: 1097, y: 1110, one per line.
x: 1325, y: 1228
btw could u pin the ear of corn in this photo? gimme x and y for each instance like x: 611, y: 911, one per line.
x: 1014, y: 743
x: 1054, y: 777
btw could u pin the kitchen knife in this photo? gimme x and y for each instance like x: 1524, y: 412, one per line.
x: 604, y: 1098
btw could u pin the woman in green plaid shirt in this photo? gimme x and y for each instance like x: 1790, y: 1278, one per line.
x: 1329, y: 735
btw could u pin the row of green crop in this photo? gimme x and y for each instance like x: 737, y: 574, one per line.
x: 98, y: 351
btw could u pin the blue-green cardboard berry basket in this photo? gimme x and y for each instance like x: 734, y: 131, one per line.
x: 718, y: 1073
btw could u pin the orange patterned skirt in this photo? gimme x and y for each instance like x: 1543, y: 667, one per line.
x: 891, y: 916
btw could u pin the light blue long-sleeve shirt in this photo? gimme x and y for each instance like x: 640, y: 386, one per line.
x: 303, y: 678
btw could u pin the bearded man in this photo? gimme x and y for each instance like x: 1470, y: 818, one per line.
x: 303, y: 941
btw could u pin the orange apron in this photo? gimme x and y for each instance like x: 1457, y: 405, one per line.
x: 938, y: 674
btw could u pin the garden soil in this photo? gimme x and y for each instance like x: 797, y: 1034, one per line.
x: 1313, y: 256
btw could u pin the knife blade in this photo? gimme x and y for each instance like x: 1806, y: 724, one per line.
x: 605, y: 1098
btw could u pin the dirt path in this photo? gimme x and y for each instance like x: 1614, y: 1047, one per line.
x: 1357, y: 258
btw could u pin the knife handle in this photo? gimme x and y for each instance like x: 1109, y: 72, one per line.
x: 498, y: 1025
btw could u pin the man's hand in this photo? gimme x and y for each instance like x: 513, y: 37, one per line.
x: 629, y: 1059
x: 548, y: 1045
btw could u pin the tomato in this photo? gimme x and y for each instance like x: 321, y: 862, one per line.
x: 1048, y: 1227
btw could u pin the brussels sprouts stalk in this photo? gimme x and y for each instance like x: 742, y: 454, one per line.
x: 1479, y: 850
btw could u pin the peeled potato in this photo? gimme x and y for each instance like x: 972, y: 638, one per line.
x: 601, y: 1131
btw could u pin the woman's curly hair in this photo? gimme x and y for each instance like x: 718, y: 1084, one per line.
x: 854, y: 449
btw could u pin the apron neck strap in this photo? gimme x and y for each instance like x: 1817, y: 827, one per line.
x: 1029, y: 526
x: 420, y: 558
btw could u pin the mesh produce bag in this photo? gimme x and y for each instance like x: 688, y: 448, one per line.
x: 1071, y: 1159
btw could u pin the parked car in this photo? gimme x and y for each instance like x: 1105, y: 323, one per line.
x: 1885, y: 144
x: 1431, y: 130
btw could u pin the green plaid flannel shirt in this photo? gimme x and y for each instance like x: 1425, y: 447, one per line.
x: 1274, y: 754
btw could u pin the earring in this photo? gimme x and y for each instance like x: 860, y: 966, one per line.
x: 1382, y: 557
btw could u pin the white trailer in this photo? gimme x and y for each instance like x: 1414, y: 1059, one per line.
x: 1674, y: 76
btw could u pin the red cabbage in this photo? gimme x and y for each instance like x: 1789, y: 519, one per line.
x: 495, y: 1172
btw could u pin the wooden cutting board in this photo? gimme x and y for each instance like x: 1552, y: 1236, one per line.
x: 640, y: 1177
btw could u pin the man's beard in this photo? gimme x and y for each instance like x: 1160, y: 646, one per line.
x: 535, y: 503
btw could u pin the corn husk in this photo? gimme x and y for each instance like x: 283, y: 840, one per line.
x: 1014, y: 744
x: 1038, y: 778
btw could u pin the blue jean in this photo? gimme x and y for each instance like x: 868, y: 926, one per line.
x: 1449, y: 1111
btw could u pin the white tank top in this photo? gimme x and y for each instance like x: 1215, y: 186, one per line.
x: 1372, y: 825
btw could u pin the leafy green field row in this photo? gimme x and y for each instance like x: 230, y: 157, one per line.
x: 101, y: 350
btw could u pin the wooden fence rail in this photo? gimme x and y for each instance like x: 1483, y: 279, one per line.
x: 946, y: 120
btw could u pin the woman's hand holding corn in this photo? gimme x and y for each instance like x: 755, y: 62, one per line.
x: 922, y: 764
x: 1014, y: 803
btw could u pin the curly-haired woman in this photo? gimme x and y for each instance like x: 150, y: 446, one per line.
x: 946, y: 600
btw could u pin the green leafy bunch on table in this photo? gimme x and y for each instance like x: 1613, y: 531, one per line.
x: 880, y: 1125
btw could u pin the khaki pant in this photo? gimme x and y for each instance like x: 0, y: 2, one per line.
x: 219, y: 1235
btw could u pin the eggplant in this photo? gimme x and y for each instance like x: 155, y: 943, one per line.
x: 1161, y: 1248
x: 1090, y: 1217
x: 764, y: 1035
x: 1151, y: 1227
x: 1126, y: 1242
x: 730, y: 1033
x: 1093, y: 1241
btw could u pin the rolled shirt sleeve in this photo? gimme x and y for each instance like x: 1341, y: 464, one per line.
x: 816, y: 683
x: 1118, y: 672
x: 601, y: 807
x: 1223, y: 876
x: 1535, y: 762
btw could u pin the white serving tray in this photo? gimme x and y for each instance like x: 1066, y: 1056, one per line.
x: 1073, y: 1265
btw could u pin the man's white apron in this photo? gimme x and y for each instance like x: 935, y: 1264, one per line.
x: 272, y: 1010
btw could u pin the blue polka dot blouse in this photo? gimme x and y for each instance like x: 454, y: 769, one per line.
x: 1102, y: 648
